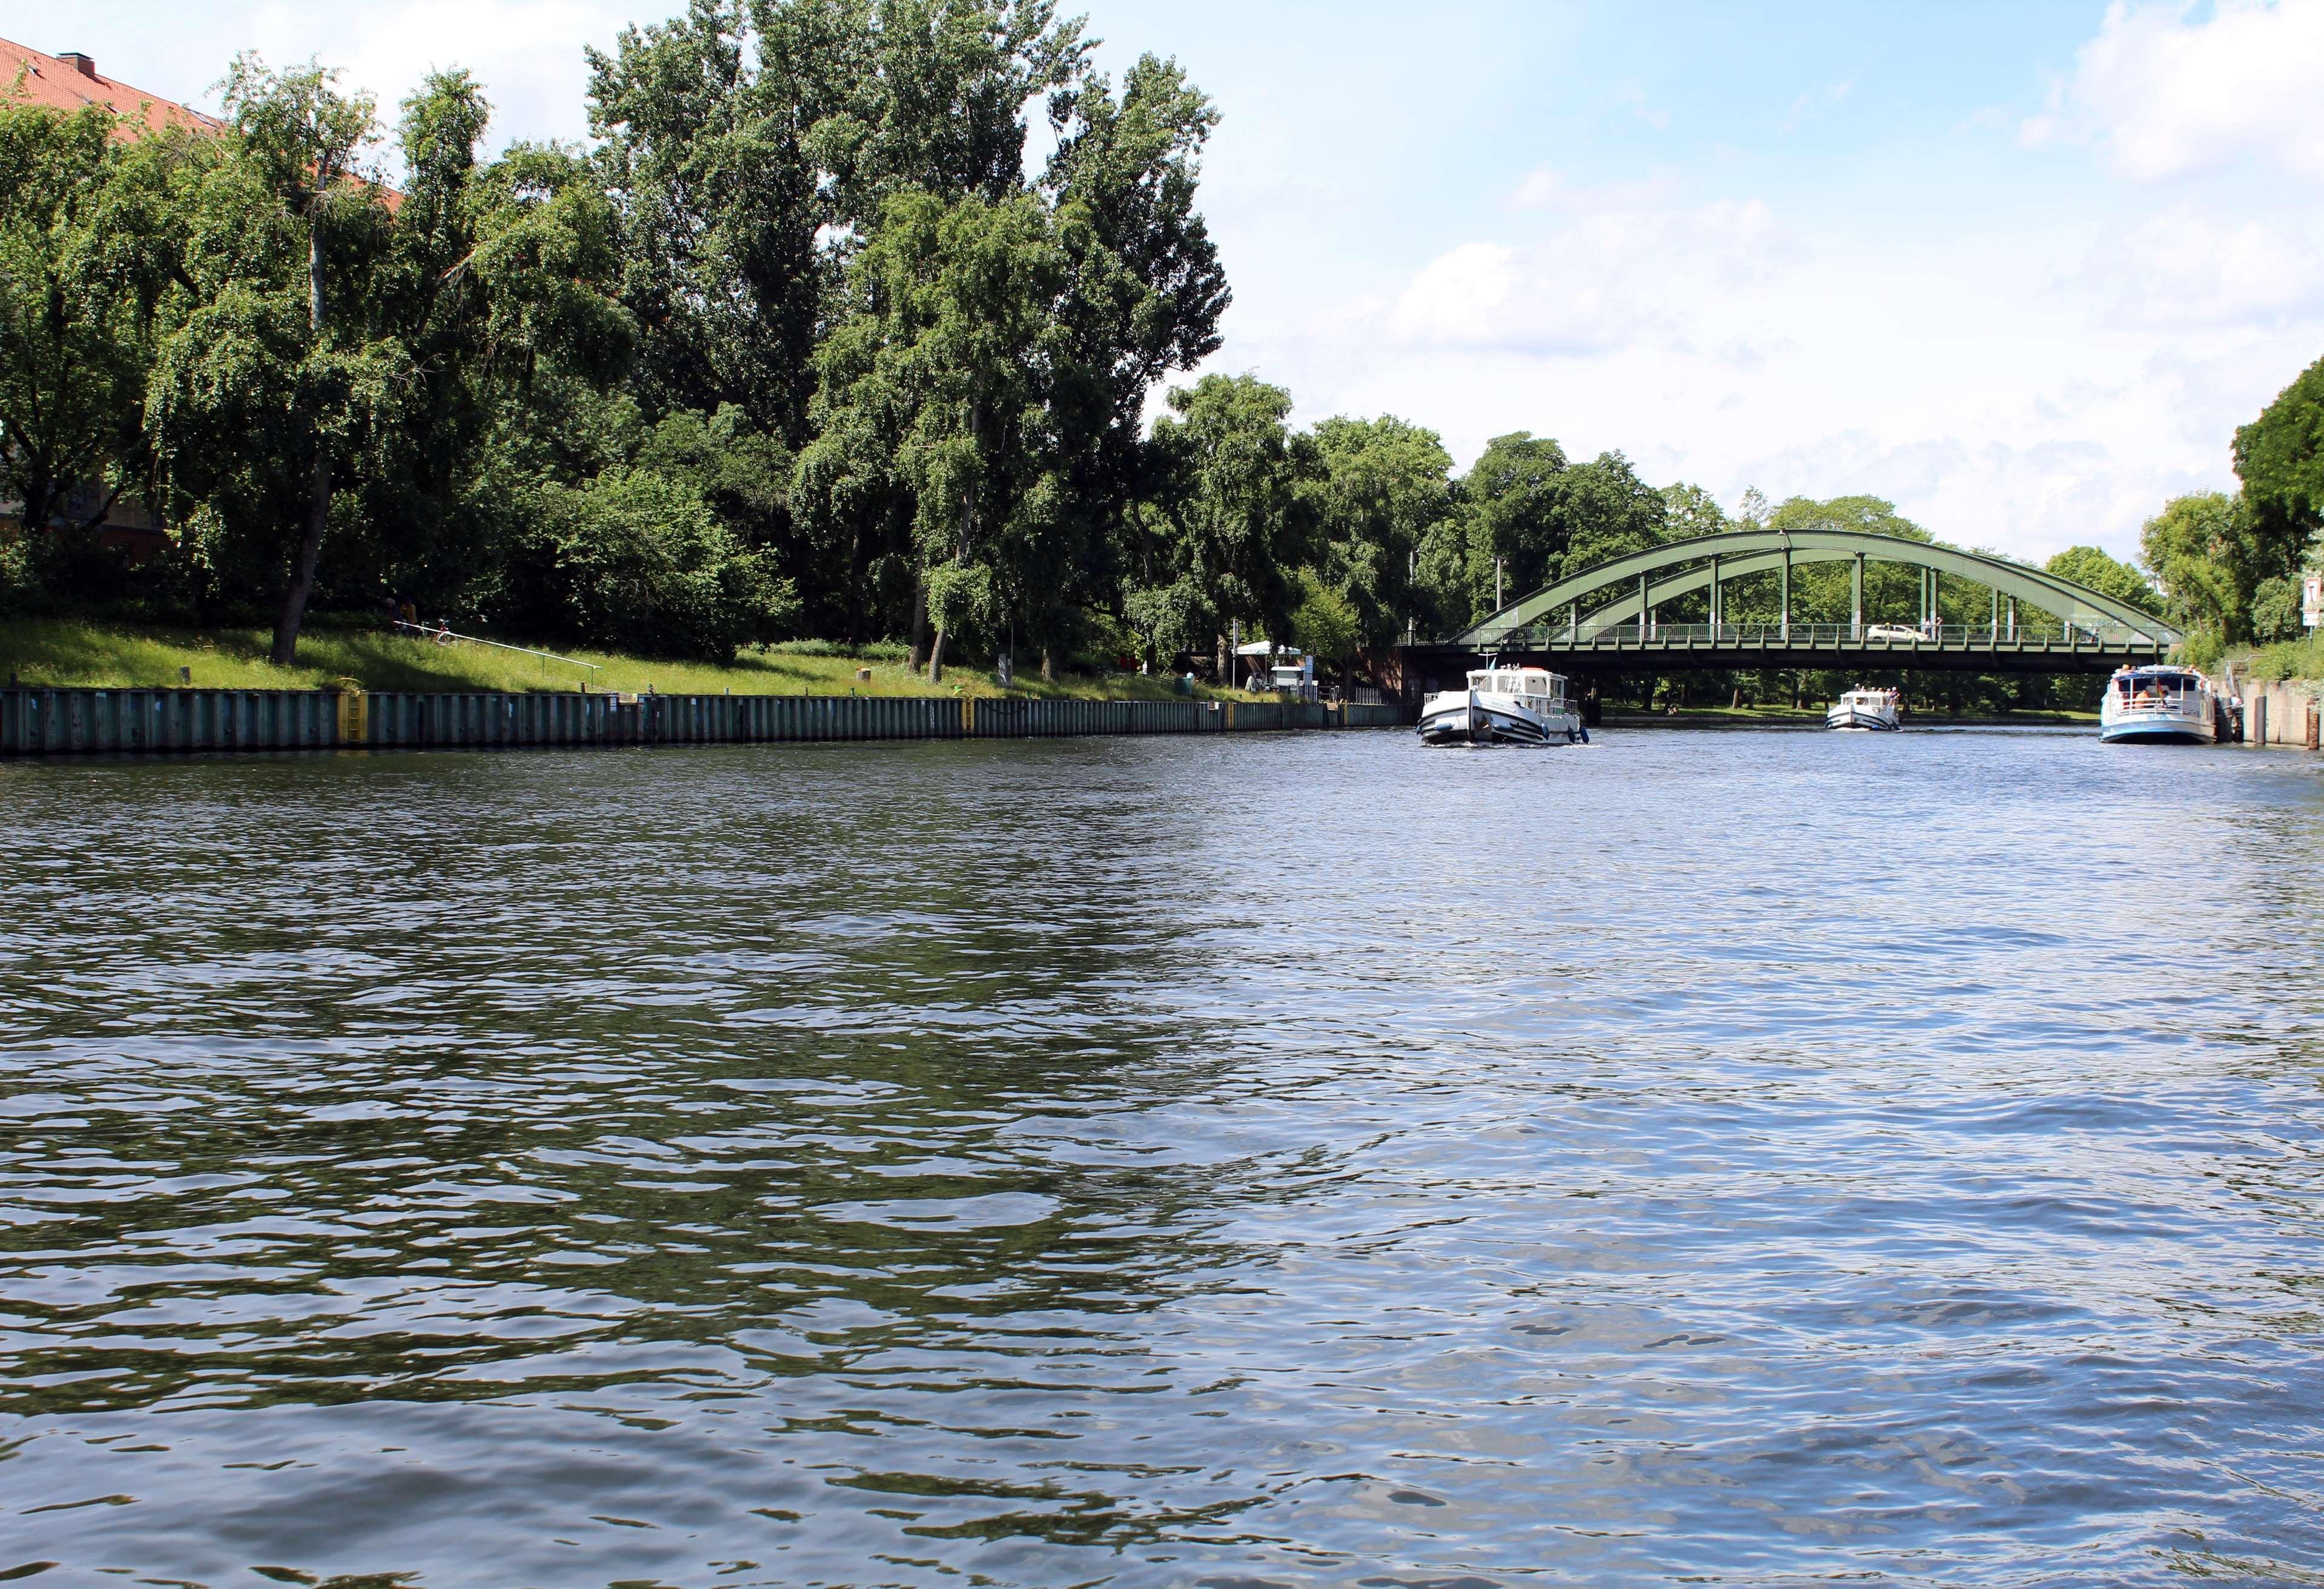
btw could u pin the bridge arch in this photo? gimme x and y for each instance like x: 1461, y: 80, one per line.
x: 1661, y: 573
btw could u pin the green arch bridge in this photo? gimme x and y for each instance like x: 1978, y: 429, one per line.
x: 1606, y: 619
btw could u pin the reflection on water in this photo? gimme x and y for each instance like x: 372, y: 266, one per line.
x: 1750, y: 1158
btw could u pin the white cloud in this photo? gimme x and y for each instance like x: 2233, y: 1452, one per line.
x: 2167, y: 95
x: 1623, y: 266
x: 528, y: 53
x: 2025, y: 390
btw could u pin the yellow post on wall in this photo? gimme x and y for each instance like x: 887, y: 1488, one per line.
x: 351, y: 714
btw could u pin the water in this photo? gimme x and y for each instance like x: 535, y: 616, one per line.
x: 1751, y: 1158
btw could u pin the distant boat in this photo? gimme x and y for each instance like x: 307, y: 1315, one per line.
x: 1502, y: 705
x: 2159, y: 705
x: 1866, y: 708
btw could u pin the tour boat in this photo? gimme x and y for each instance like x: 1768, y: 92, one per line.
x: 1865, y: 709
x: 2160, y: 704
x: 1502, y: 705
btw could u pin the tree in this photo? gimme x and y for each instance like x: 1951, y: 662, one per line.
x: 1512, y: 501
x: 645, y: 564
x: 2280, y: 459
x: 1326, y: 624
x: 88, y: 244
x: 1240, y: 510
x: 947, y: 363
x: 1689, y: 511
x: 1144, y: 296
x: 2091, y: 568
x: 2208, y: 562
x: 1605, y: 511
x: 278, y: 384
x: 1385, y: 484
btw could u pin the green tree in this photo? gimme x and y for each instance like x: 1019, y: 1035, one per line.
x: 2280, y: 459
x: 2208, y: 561
x: 1239, y: 507
x: 1144, y: 297
x: 1689, y: 511
x: 947, y: 364
x: 277, y: 385
x: 2090, y: 567
x: 88, y: 244
x: 1385, y: 484
x: 1326, y: 624
x: 645, y: 565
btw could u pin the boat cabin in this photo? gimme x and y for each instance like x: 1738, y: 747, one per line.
x: 1525, y: 683
x: 2148, y: 685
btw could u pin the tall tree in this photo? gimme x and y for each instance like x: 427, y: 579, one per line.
x: 1241, y: 508
x: 279, y: 383
x: 1385, y: 484
x: 2280, y: 459
x: 2091, y: 566
x: 88, y: 244
x: 948, y: 361
x: 2208, y: 561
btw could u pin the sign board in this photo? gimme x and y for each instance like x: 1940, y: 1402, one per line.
x: 2311, y: 601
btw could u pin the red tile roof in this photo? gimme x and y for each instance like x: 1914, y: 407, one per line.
x: 68, y: 82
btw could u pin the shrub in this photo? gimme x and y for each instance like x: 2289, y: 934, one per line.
x: 642, y: 564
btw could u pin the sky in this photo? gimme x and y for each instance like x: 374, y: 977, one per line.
x: 2021, y: 268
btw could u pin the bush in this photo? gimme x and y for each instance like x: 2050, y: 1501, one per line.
x: 643, y: 565
x: 876, y: 651
x: 19, y: 592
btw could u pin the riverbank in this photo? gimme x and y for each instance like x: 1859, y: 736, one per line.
x: 79, y: 654
x: 46, y: 722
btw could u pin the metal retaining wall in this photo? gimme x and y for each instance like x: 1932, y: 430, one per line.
x: 36, y: 722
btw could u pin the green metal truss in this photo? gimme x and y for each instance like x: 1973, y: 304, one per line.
x: 1662, y: 573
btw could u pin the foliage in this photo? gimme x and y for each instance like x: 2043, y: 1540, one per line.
x: 2090, y: 567
x: 2280, y: 459
x: 1326, y: 624
x: 1385, y: 484
x: 2207, y: 563
x: 86, y: 225
x: 645, y: 564
x: 1237, y: 506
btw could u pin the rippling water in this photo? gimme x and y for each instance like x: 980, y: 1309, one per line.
x: 1748, y: 1158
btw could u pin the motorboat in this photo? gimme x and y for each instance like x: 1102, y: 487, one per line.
x: 2160, y: 704
x: 1502, y: 705
x: 1866, y: 708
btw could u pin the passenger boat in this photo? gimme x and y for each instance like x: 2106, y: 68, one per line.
x: 1502, y: 705
x: 1866, y: 708
x: 2160, y: 703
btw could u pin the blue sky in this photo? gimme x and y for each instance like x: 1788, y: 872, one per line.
x: 2021, y: 268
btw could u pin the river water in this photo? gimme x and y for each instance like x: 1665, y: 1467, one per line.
x: 1742, y: 1157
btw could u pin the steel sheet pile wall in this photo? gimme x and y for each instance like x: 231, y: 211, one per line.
x: 35, y: 722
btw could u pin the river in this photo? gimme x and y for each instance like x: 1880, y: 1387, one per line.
x: 1750, y: 1157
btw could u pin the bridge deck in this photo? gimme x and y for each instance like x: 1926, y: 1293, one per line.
x: 1961, y: 647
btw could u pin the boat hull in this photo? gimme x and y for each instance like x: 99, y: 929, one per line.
x: 1854, y: 720
x: 2155, y: 729
x: 1485, y: 720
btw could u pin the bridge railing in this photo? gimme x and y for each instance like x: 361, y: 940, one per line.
x: 1901, y: 638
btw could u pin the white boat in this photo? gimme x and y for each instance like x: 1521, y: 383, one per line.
x: 1866, y: 708
x: 2160, y: 704
x: 1502, y: 705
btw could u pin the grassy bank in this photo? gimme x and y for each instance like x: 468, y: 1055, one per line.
x: 69, y: 651
x: 2289, y: 659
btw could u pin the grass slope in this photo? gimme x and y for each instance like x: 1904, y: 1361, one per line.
x: 69, y: 651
